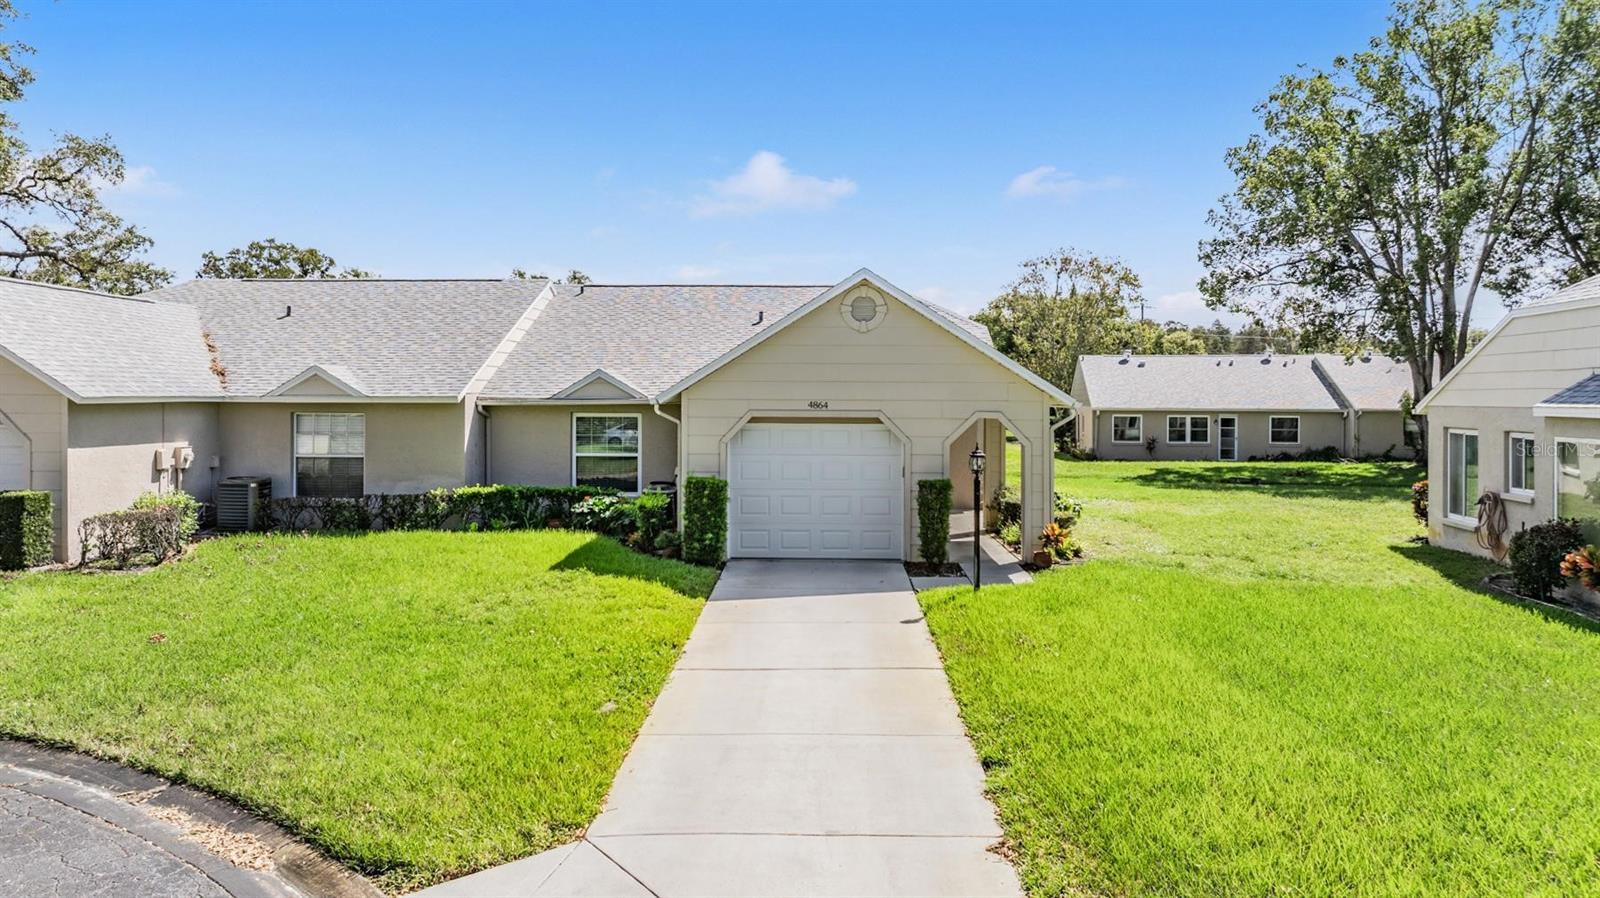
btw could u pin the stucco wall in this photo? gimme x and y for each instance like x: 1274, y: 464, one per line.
x: 410, y: 447
x: 533, y: 443
x: 1317, y: 430
x: 39, y: 413
x: 111, y: 455
x: 994, y: 475
x: 1374, y: 433
x: 924, y: 380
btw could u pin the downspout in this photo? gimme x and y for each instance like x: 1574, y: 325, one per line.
x: 677, y: 469
x: 488, y: 475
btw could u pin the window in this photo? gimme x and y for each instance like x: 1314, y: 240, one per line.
x: 1127, y: 428
x: 330, y: 455
x: 1188, y: 429
x: 1578, y: 483
x: 605, y: 451
x: 1461, y: 475
x: 1283, y: 431
x: 1519, y: 463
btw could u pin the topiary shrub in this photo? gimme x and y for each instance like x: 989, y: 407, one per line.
x: 705, y: 520
x: 1419, y: 501
x: 933, y: 520
x: 1537, y: 553
x: 27, y: 535
x: 123, y: 538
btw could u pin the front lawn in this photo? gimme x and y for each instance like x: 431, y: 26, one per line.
x: 1268, y: 689
x: 419, y: 705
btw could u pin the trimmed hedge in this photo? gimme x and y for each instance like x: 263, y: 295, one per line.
x: 494, y: 507
x: 124, y: 538
x: 933, y: 520
x: 705, y: 520
x: 27, y: 535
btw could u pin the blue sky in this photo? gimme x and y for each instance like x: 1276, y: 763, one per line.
x: 753, y: 143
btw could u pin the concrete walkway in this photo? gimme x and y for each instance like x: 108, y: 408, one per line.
x: 999, y: 565
x: 807, y: 744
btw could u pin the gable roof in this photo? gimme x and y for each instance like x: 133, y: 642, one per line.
x: 1204, y: 382
x: 392, y: 339
x: 96, y: 346
x: 969, y: 332
x: 1369, y: 383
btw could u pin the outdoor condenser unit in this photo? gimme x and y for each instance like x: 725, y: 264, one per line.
x: 239, y: 501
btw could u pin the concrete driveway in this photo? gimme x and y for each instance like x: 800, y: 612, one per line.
x: 807, y: 744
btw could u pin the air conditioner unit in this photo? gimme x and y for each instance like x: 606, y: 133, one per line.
x: 239, y: 501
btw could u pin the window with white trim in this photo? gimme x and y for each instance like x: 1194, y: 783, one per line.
x: 605, y: 451
x: 330, y: 454
x: 1188, y: 429
x: 1520, y: 454
x: 1127, y: 428
x: 1461, y: 475
x: 1283, y: 430
x: 1578, y: 483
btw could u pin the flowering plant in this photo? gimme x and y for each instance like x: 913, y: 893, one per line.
x: 1583, y: 565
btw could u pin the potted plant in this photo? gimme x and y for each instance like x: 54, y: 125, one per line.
x: 1052, y: 539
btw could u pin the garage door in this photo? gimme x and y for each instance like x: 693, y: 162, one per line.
x: 14, y: 464
x: 815, y: 491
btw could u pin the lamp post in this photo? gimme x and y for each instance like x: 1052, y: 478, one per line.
x: 975, y: 462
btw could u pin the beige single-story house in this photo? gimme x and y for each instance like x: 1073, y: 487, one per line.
x: 821, y: 405
x: 1237, y: 407
x: 1519, y: 417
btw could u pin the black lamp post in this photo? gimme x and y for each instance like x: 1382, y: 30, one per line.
x: 975, y: 461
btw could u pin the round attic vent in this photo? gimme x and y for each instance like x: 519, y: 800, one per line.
x: 863, y: 308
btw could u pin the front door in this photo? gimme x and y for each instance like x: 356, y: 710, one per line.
x: 1228, y: 437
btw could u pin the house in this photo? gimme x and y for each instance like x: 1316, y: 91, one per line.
x: 821, y: 405
x: 1232, y: 407
x: 1519, y: 417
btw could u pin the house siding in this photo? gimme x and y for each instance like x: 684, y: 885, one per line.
x: 923, y: 379
x: 1534, y: 356
x: 411, y: 447
x: 40, y: 413
x: 1317, y: 430
x: 533, y: 443
x: 112, y: 449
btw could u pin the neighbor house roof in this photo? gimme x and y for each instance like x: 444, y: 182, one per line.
x: 385, y: 339
x: 97, y: 346
x: 1588, y: 288
x: 649, y: 336
x: 1204, y: 382
x: 1369, y: 383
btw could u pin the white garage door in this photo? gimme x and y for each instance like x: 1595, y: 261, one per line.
x: 14, y: 464
x: 815, y: 491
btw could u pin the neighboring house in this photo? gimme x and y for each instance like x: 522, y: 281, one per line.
x: 1520, y: 417
x: 820, y: 405
x: 1234, y: 407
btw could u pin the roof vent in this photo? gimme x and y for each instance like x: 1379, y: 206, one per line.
x: 761, y: 315
x: 1366, y: 354
x: 1127, y: 352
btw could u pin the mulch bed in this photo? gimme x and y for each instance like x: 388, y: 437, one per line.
x: 924, y: 569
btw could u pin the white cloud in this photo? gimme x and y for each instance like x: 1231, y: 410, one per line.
x: 1049, y: 181
x: 697, y: 272
x: 768, y: 184
x: 141, y: 180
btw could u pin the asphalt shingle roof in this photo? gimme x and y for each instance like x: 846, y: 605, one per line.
x: 651, y: 336
x: 100, y: 346
x: 1369, y: 383
x: 394, y: 338
x: 1588, y: 288
x: 1203, y: 382
x: 1584, y: 392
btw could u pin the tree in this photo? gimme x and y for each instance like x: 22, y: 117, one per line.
x: 53, y: 227
x: 271, y: 258
x: 1182, y: 342
x: 1064, y: 305
x: 574, y: 276
x: 1379, y: 199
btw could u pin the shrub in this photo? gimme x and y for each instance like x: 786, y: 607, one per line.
x: 1583, y: 566
x: 1419, y: 501
x: 669, y: 542
x: 187, y: 507
x: 125, y: 537
x: 607, y: 515
x: 1005, y: 510
x: 652, y: 516
x: 705, y: 520
x: 1011, y: 535
x: 933, y: 520
x: 1068, y: 512
x: 1537, y: 553
x: 27, y: 534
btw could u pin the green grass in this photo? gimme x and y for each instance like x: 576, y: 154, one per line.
x: 1271, y: 690
x: 419, y: 705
